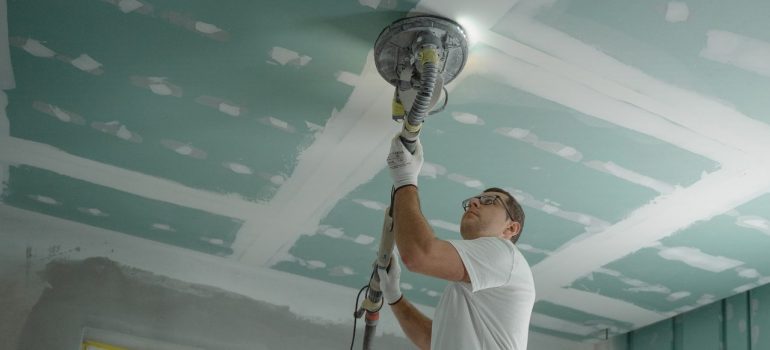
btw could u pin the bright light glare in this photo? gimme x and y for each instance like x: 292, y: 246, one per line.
x: 471, y: 29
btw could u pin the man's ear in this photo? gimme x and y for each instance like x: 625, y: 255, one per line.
x: 511, y: 230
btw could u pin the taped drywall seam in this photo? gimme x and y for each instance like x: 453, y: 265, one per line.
x: 713, y: 195
x: 575, y: 88
x: 340, y: 159
x: 18, y: 151
x: 574, y: 60
x: 740, y: 51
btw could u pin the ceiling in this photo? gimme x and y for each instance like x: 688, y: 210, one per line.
x: 634, y: 133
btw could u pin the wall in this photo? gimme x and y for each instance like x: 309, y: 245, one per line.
x: 734, y: 323
x: 101, y: 294
x: 57, y: 277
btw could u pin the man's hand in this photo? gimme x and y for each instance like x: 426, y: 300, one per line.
x: 390, y: 281
x: 404, y: 166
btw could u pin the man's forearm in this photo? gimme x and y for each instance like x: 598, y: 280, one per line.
x: 413, y: 234
x: 416, y: 326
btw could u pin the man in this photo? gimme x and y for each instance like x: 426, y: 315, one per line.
x: 488, y: 302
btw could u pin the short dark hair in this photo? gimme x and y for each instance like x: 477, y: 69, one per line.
x: 516, y: 211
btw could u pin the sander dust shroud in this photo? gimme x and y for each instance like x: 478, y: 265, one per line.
x: 418, y: 56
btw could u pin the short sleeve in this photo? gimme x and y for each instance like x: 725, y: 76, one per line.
x: 488, y: 260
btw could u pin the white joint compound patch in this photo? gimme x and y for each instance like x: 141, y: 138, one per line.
x: 374, y: 205
x: 238, y: 168
x: 706, y: 299
x: 93, y: 212
x: 364, y: 239
x: 278, y: 124
x: 743, y: 52
x: 528, y: 136
x: 58, y: 113
x: 285, y: 56
x: 630, y: 176
x: 514, y: 133
x: 127, y: 6
x: 226, y: 108
x: 370, y: 3
x: 340, y: 271
x: 466, y: 181
x: 184, y: 149
x: 432, y: 170
x: 86, y: 63
x: 677, y: 11
x: 158, y: 85
x: 277, y: 180
x: 316, y: 264
x: 677, y: 295
x: 467, y: 118
x: 163, y: 227
x: 698, y: 259
x: 591, y: 223
x: 347, y: 78
x: 312, y: 127
x: 35, y: 48
x: 332, y: 232
x: 207, y: 28
x: 44, y: 199
x: 748, y: 273
x: 160, y: 89
x: 117, y: 129
x: 754, y: 222
x: 745, y: 287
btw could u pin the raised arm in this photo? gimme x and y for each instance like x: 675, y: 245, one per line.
x: 421, y: 251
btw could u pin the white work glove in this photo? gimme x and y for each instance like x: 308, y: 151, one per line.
x: 404, y: 166
x: 390, y: 281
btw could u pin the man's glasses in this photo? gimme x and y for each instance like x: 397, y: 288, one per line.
x: 486, y: 199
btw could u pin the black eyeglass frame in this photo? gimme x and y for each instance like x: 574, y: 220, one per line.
x: 466, y: 203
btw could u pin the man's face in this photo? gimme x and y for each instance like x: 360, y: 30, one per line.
x: 487, y: 220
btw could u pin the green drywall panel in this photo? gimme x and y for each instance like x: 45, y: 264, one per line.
x: 500, y: 105
x: 236, y: 68
x: 702, y: 328
x: 669, y: 289
x: 658, y: 336
x: 743, y: 244
x: 80, y: 201
x: 637, y: 34
x: 759, y: 301
x: 663, y: 290
x: 736, y: 326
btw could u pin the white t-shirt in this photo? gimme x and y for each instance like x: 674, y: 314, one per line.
x: 493, y: 311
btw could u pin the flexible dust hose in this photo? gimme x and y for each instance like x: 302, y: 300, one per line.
x: 422, y: 102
